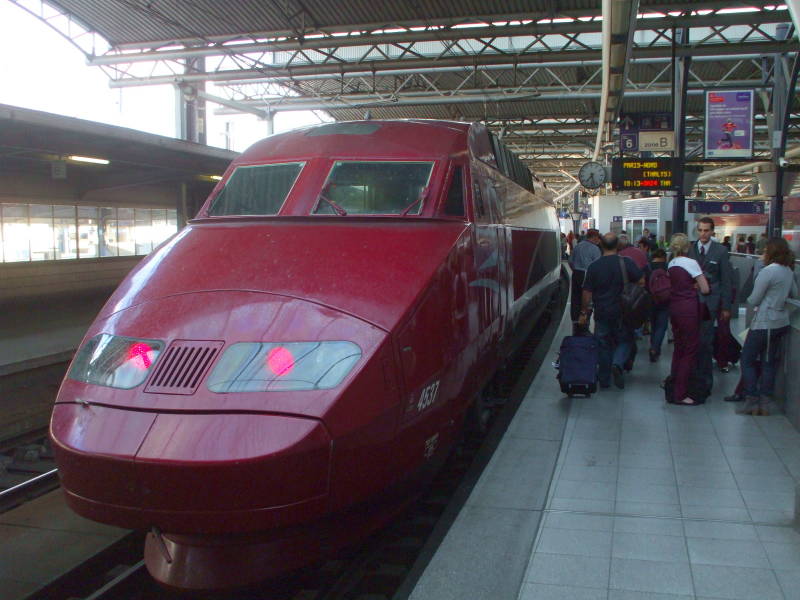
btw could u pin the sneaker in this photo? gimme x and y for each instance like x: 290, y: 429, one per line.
x: 733, y: 398
x: 750, y: 406
x: 619, y: 378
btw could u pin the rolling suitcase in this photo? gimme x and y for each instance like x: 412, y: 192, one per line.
x: 577, y: 365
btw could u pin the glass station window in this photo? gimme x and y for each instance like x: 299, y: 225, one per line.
x: 40, y: 232
x: 88, y: 242
x: 125, y: 232
x: 108, y: 232
x: 16, y: 242
x: 374, y: 188
x: 65, y: 232
x: 37, y: 232
x: 160, y: 227
x: 143, y: 234
x: 256, y: 190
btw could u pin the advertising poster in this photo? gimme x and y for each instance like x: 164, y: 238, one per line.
x: 729, y: 124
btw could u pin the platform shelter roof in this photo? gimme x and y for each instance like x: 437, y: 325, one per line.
x: 531, y: 69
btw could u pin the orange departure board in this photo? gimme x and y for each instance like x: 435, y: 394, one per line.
x: 639, y: 174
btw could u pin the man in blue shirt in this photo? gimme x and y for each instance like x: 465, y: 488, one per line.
x: 585, y: 253
x: 602, y: 287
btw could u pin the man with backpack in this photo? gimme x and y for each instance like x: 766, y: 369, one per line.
x: 603, y: 287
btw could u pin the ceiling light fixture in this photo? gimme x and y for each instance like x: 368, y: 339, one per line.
x: 88, y: 159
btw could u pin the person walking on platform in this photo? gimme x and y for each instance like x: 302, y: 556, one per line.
x: 761, y: 244
x: 659, y: 319
x: 564, y: 246
x: 638, y: 256
x: 651, y: 240
x: 773, y: 285
x: 585, y: 253
x: 686, y: 278
x: 714, y: 260
x: 602, y: 287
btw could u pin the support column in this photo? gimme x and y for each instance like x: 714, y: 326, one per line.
x: 190, y: 109
x: 576, y: 212
x: 680, y: 85
x: 775, y: 225
x: 182, y: 205
x: 270, y: 119
x: 782, y: 96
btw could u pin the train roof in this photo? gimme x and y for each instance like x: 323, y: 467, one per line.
x: 353, y: 139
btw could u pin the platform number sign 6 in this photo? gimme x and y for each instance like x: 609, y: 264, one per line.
x: 428, y: 396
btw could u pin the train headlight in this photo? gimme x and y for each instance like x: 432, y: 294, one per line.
x: 115, y: 361
x: 267, y: 366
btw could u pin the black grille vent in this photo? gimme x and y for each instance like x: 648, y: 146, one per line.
x: 182, y: 367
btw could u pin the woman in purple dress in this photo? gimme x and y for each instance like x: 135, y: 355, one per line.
x: 686, y: 278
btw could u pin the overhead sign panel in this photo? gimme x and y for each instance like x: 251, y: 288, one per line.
x: 726, y: 208
x: 646, y: 132
x: 729, y: 124
x: 638, y: 174
x: 656, y: 141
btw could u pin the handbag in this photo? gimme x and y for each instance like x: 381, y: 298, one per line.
x: 636, y: 301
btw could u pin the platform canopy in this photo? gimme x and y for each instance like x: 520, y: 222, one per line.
x: 533, y: 70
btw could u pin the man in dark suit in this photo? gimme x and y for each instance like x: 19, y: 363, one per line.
x: 715, y: 262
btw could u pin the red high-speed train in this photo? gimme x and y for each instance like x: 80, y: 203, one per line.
x: 277, y: 379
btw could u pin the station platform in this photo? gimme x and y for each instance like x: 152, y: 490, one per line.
x: 45, y: 331
x: 42, y: 540
x: 621, y: 496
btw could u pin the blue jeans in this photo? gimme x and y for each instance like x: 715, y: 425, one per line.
x: 658, y: 327
x: 763, y: 344
x: 614, y: 341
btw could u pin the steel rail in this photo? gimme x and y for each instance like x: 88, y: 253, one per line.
x: 28, y: 490
x: 120, y: 584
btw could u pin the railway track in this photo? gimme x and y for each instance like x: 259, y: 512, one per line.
x: 27, y: 468
x: 386, y: 565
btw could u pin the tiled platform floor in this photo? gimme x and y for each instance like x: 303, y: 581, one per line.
x: 651, y: 501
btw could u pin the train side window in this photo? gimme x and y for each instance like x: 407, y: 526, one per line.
x: 454, y: 206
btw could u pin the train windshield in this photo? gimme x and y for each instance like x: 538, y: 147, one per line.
x: 374, y: 188
x: 256, y: 190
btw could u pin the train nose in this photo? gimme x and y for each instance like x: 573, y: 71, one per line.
x: 137, y: 469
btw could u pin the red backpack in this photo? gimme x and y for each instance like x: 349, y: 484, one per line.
x: 660, y: 286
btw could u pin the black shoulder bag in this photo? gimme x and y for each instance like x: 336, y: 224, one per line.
x: 635, y: 300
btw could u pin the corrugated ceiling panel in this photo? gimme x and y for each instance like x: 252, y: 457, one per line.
x: 132, y: 21
x: 474, y: 111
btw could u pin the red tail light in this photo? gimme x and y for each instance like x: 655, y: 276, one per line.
x: 280, y: 361
x: 139, y: 356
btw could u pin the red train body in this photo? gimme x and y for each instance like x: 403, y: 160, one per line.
x: 277, y: 379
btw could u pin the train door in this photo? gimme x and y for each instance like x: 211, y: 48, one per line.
x: 487, y: 283
x: 495, y: 191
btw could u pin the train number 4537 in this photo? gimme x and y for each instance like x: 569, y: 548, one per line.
x: 428, y: 396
